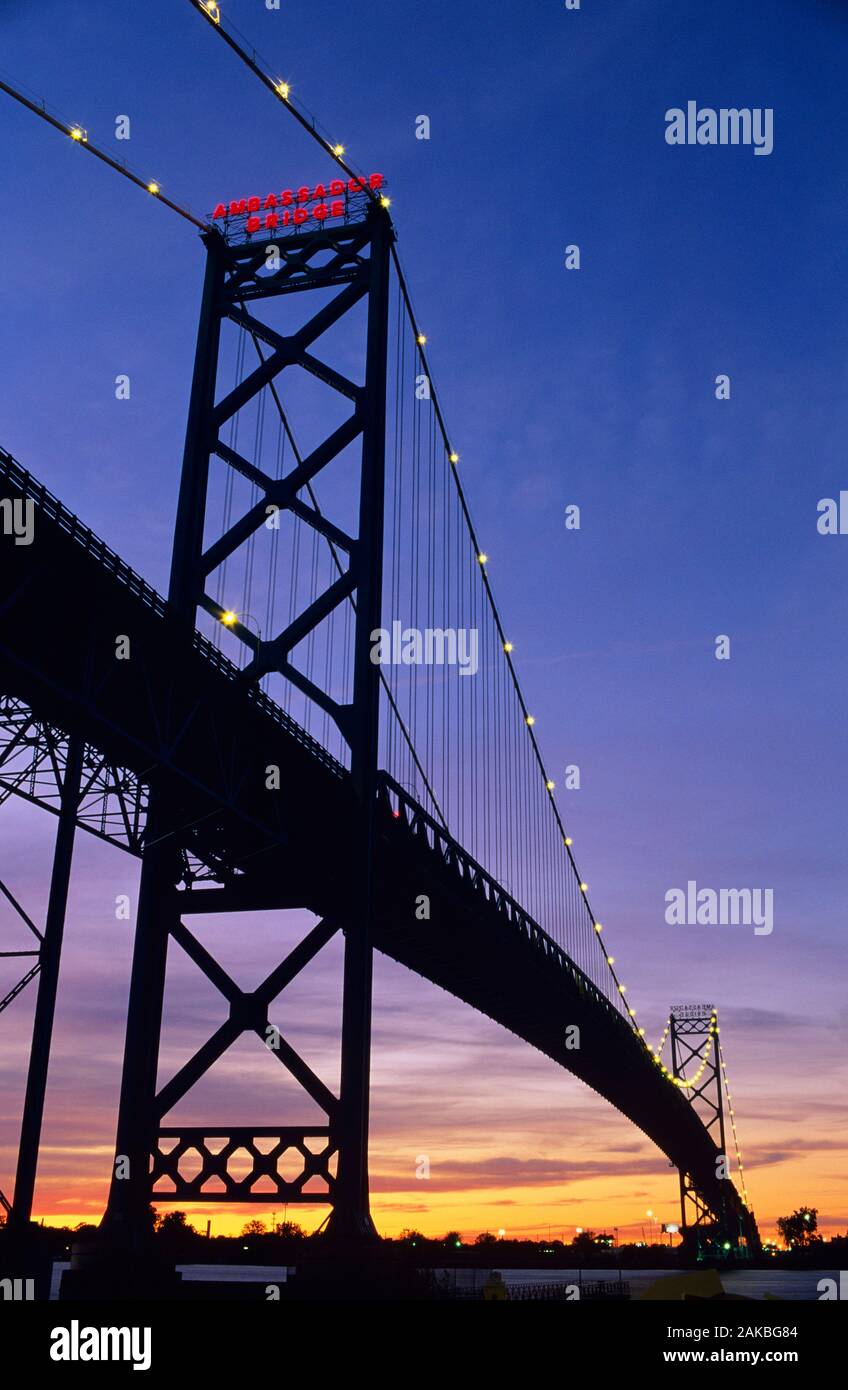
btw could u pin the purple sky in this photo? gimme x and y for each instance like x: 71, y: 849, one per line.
x: 594, y: 387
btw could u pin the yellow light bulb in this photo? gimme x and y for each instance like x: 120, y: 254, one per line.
x: 421, y: 339
x: 622, y: 989
x: 338, y: 151
x: 531, y: 719
x: 550, y: 785
x: 482, y: 558
x: 610, y: 960
x: 598, y: 927
x: 77, y: 134
x: 385, y: 202
x: 228, y: 617
x: 454, y: 458
x: 584, y: 888
x: 153, y: 188
x: 283, y: 89
x: 507, y: 645
x: 569, y: 841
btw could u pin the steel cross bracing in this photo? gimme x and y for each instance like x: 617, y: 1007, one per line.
x: 172, y: 749
x: 695, y: 1048
x: 354, y: 262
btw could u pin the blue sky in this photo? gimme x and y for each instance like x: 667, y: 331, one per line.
x: 593, y: 386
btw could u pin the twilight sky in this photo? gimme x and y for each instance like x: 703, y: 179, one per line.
x: 593, y: 387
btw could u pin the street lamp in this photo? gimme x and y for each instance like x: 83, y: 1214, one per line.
x: 229, y: 617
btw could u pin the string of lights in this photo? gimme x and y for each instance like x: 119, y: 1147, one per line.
x: 688, y: 1083
x: 79, y: 135
x: 683, y: 1082
x: 211, y: 11
x: 282, y: 93
x: 732, y: 1117
x: 657, y: 1051
x: 280, y: 89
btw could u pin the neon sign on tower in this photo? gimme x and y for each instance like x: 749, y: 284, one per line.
x: 295, y: 206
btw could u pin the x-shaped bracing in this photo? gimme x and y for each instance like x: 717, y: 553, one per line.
x: 282, y: 493
x: 249, y: 1011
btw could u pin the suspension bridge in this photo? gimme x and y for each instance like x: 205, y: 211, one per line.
x: 324, y: 713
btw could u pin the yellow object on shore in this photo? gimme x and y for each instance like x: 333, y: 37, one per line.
x: 698, y: 1283
x: 495, y: 1288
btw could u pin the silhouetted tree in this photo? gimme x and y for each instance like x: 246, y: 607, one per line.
x: 173, y: 1223
x: 289, y: 1230
x: 410, y: 1237
x: 800, y: 1227
x: 585, y: 1241
x: 253, y: 1228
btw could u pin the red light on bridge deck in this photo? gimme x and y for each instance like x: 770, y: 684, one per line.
x: 396, y: 815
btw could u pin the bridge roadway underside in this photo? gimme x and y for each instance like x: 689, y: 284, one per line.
x: 174, y: 715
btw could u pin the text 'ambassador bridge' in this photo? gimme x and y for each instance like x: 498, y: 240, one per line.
x: 240, y: 737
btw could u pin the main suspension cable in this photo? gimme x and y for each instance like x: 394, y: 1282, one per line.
x: 281, y: 91
x: 80, y: 137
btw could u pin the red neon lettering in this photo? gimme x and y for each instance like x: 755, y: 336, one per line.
x: 253, y: 224
x: 271, y: 219
x: 336, y: 190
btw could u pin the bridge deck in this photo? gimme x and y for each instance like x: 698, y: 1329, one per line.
x: 176, y: 714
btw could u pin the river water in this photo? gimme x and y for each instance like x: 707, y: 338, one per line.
x: 797, y: 1285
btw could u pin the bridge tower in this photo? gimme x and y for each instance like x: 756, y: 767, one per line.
x: 350, y: 264
x: 693, y: 1032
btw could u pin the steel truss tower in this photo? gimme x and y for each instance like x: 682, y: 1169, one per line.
x: 352, y: 261
x: 694, y: 1048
